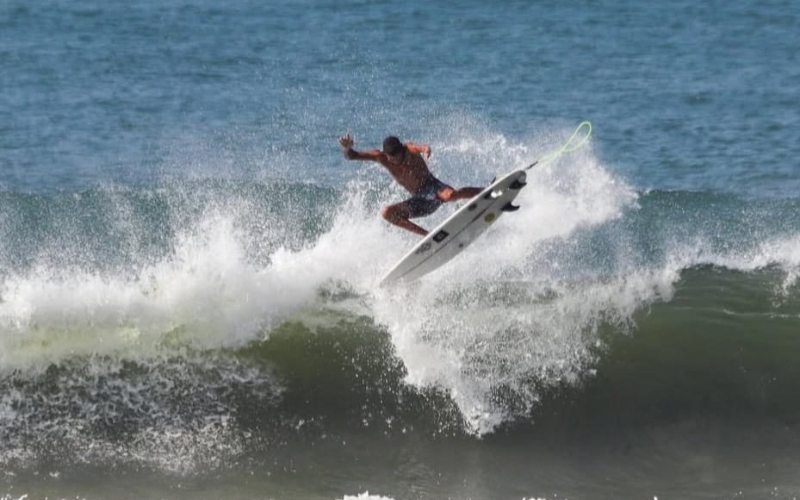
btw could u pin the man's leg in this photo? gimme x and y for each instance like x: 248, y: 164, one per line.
x: 398, y: 214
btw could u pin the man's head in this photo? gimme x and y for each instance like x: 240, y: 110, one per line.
x: 393, y: 148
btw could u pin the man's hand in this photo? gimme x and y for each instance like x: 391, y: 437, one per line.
x: 346, y: 141
x: 420, y: 149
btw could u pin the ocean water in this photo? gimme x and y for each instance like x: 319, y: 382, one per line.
x: 188, y: 265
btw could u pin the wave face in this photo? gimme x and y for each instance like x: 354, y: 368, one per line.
x: 196, y: 320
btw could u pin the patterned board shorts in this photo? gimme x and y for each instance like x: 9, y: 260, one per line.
x: 425, y: 201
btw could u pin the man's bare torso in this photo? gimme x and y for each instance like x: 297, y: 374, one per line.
x: 412, y: 172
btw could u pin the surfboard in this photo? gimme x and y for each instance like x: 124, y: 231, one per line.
x: 453, y: 235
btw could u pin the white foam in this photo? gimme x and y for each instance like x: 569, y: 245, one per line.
x: 543, y: 324
x: 207, y: 291
x: 783, y: 252
x: 466, y: 330
x: 366, y: 496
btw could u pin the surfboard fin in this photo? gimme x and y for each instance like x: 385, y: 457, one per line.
x: 508, y: 207
x: 517, y: 184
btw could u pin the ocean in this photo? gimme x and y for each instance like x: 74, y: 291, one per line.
x: 189, y: 305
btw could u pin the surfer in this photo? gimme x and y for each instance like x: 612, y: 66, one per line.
x: 407, y: 167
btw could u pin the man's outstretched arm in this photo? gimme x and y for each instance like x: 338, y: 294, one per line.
x: 351, y: 154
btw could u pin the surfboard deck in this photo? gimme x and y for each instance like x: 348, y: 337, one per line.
x: 453, y: 235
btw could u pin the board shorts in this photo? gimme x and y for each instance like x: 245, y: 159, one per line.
x: 425, y: 200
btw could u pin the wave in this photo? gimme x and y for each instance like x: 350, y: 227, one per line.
x: 199, y: 314
x: 328, y: 369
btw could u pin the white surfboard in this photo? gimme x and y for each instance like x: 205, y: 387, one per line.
x: 459, y: 230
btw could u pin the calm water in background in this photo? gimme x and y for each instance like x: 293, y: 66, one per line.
x: 187, y: 264
x: 685, y: 96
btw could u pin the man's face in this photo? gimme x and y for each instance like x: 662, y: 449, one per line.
x: 397, y: 157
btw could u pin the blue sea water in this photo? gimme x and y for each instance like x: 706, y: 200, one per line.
x: 188, y: 264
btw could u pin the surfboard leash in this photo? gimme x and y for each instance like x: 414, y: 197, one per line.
x: 568, y: 147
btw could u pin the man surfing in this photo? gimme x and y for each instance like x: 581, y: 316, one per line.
x: 407, y: 167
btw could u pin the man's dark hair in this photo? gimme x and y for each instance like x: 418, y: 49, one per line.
x: 392, y: 146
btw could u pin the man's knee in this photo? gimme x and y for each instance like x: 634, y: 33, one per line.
x: 392, y: 213
x: 446, y: 193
